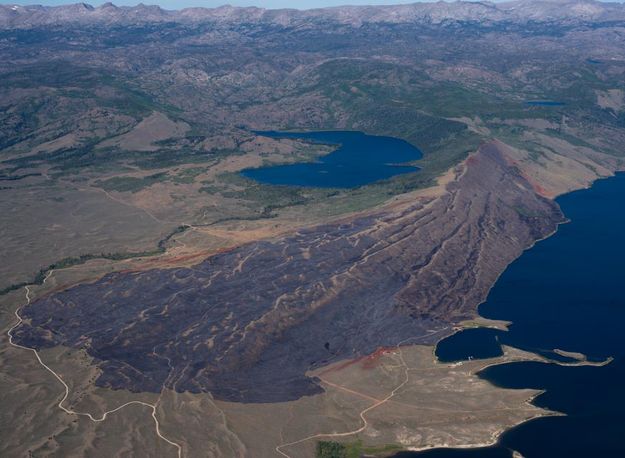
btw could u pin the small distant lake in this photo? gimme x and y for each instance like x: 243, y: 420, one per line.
x: 544, y: 103
x: 358, y: 159
x: 567, y: 292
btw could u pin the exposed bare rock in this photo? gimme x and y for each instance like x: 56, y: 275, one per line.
x: 143, y: 136
x: 612, y: 99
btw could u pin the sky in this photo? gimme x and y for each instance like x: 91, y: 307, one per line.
x: 177, y: 4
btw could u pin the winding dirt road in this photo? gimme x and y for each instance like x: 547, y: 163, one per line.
x: 66, y: 387
x: 376, y: 404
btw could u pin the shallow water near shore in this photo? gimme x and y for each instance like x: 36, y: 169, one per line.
x: 567, y: 293
x: 544, y: 103
x: 358, y: 159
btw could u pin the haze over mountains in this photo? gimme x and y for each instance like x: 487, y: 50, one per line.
x: 575, y: 11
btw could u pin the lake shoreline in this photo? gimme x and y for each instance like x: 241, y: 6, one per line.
x: 497, y: 444
x: 358, y: 159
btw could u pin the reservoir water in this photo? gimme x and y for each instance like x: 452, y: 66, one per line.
x: 568, y: 293
x: 359, y: 159
x: 544, y: 103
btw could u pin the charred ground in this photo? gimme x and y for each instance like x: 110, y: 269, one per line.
x: 247, y: 325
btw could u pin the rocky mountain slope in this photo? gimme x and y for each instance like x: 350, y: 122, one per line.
x: 576, y: 11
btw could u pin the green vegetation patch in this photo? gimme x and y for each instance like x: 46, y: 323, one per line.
x: 188, y: 176
x: 331, y: 449
x: 328, y: 449
x: 265, y: 198
x: 131, y: 184
x: 78, y: 260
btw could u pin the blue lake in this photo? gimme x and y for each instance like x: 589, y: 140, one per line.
x: 568, y: 292
x: 358, y: 160
x: 544, y: 103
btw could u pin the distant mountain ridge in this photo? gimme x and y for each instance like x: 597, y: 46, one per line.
x: 576, y: 11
